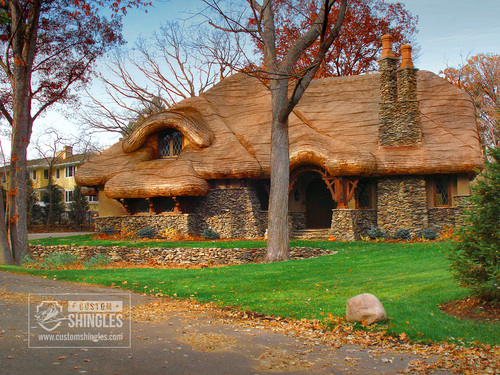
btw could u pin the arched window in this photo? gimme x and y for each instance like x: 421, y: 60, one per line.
x: 169, y: 143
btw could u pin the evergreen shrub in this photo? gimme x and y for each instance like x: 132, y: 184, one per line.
x: 475, y: 257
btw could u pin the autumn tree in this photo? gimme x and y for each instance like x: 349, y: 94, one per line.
x: 480, y: 78
x: 357, y: 47
x: 287, y: 80
x: 48, y: 47
x: 177, y: 62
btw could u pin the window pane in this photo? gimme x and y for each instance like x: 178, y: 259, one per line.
x: 363, y: 193
x: 442, y: 195
x: 167, y: 205
x: 176, y: 143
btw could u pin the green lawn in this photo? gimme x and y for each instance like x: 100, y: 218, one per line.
x: 411, y: 280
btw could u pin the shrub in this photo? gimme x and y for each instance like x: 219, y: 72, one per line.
x: 146, y: 233
x: 427, y: 234
x: 402, y: 234
x: 109, y: 231
x: 376, y: 233
x: 210, y: 234
x: 58, y: 260
x: 28, y: 261
x: 475, y: 258
x: 96, y: 261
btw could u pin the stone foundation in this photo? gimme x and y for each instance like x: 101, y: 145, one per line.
x: 462, y: 204
x: 442, y: 217
x: 350, y: 225
x: 402, y: 203
x: 185, y: 224
x: 233, y: 213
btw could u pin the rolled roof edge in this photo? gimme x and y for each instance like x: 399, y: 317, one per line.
x: 195, y: 131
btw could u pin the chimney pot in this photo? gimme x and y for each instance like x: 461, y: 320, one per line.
x: 387, y: 47
x: 406, y: 61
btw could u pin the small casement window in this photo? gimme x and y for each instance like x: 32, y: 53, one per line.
x: 70, y: 171
x: 93, y: 198
x: 363, y: 194
x: 169, y: 143
x: 57, y: 173
x: 442, y: 192
x: 33, y: 174
x: 45, y: 174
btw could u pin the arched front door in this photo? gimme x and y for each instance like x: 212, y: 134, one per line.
x: 319, y: 204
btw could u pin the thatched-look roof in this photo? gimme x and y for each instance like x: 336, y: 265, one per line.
x: 334, y: 126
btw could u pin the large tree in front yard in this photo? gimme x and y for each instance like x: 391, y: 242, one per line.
x: 48, y: 47
x: 475, y: 258
x: 287, y: 83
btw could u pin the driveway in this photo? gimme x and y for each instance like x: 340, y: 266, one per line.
x: 175, y: 337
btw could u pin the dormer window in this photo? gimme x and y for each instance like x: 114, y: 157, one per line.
x: 169, y: 143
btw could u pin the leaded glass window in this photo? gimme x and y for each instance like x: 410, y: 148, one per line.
x: 442, y: 192
x: 167, y: 205
x: 169, y: 143
x: 363, y: 194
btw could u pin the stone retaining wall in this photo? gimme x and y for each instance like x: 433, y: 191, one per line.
x: 183, y: 256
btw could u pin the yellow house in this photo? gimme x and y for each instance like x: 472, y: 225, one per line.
x: 62, y: 169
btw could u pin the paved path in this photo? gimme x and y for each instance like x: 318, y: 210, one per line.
x: 182, y: 342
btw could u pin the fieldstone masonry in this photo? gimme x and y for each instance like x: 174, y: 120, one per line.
x: 178, y: 255
x: 233, y: 213
x: 350, y: 225
x: 402, y: 203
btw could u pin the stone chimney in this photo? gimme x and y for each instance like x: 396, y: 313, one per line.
x: 399, y: 115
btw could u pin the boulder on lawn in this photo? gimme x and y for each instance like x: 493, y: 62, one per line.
x: 365, y: 308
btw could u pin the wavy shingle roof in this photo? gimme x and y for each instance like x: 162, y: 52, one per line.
x: 334, y: 126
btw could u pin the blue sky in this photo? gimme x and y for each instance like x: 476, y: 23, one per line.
x: 449, y: 32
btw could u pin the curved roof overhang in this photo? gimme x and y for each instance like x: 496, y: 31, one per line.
x: 193, y: 130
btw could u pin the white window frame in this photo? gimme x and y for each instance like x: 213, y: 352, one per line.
x: 70, y: 171
x: 68, y: 196
x: 33, y: 174
x: 93, y: 198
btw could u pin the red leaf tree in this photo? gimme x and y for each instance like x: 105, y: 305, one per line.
x: 358, y: 45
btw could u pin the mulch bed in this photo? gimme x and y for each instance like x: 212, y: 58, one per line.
x: 473, y: 309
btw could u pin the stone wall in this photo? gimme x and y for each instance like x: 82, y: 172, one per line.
x: 233, y: 213
x: 462, y: 204
x: 350, y: 225
x: 180, y: 256
x: 440, y: 217
x: 296, y: 220
x: 402, y: 203
x: 185, y: 224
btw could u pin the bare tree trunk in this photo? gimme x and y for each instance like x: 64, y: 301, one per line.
x: 278, y: 234
x: 5, y: 252
x: 17, y: 195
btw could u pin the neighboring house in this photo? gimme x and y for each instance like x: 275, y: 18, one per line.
x: 63, y: 175
x: 394, y: 149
